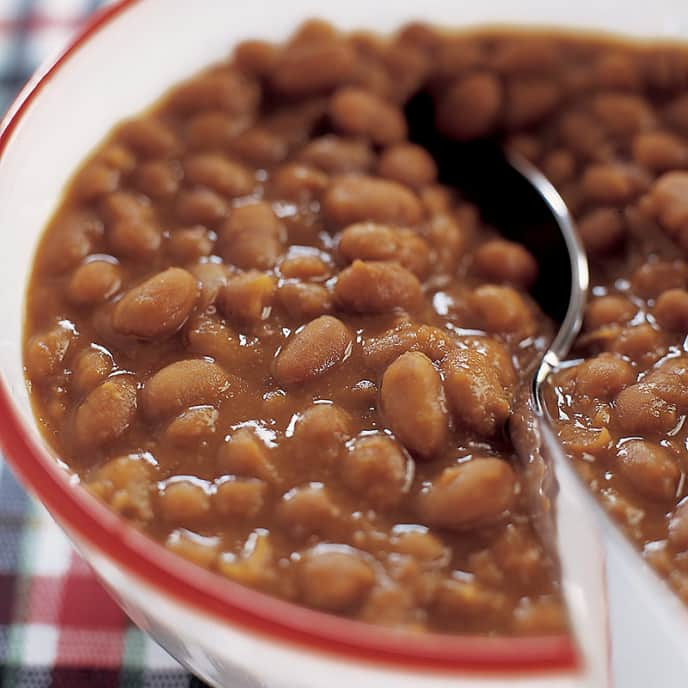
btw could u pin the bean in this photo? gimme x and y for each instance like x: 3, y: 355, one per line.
x: 208, y: 335
x: 505, y: 261
x: 669, y: 200
x: 639, y: 410
x: 94, y: 282
x: 211, y: 277
x: 472, y: 494
x: 671, y: 310
x: 457, y: 55
x: 529, y: 99
x: 45, y: 353
x: 259, y: 147
x: 256, y: 564
x: 623, y: 114
x: 376, y: 287
x: 350, y: 199
x: 200, y: 206
x: 248, y: 296
x: 358, y: 112
x: 148, y: 137
x: 296, y: 123
x: 126, y: 207
x: 215, y: 172
x: 407, y: 69
x: 470, y: 107
x: 501, y: 309
x: 314, y: 31
x: 307, y: 510
x: 377, y: 242
x: 245, y: 455
x: 422, y: 36
x: 304, y: 301
x: 649, y: 468
x: 159, y: 178
x: 191, y: 382
x: 583, y: 135
x: 540, y: 616
x: 200, y: 550
x: 579, y: 441
x: 334, y: 578
x: 240, y: 497
x: 368, y: 241
x: 669, y: 380
x: 377, y: 471
x: 125, y: 484
x: 184, y: 500
x: 607, y: 310
x: 312, y: 351
x: 479, y: 391
x: 535, y: 55
x: 419, y: 420
x: 640, y: 343
x: 91, y: 367
x: 559, y: 166
x: 468, y: 598
x: 618, y: 71
x: 257, y: 58
x: 676, y: 113
x: 660, y: 151
x: 117, y: 157
x: 654, y: 277
x: 408, y: 164
x: 419, y: 543
x: 212, y: 130
x: 602, y: 229
x: 96, y: 179
x: 664, y: 70
x: 380, y: 352
x: 226, y: 90
x: 304, y: 267
x: 337, y: 155
x: 321, y: 433
x: 678, y: 527
x: 69, y: 239
x: 448, y: 240
x: 135, y: 239
x: 158, y: 307
x: 252, y: 237
x: 612, y: 183
x: 106, y: 413
x: 192, y: 426
x: 298, y: 183
x: 604, y: 376
x: 305, y: 68
x: 189, y: 244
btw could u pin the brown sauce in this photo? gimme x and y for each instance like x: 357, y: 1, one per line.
x: 261, y: 330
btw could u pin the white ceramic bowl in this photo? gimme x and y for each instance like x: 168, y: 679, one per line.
x: 231, y: 636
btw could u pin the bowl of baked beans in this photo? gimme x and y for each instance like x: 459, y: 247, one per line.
x: 264, y: 363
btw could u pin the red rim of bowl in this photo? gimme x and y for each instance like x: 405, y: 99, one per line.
x: 270, y: 617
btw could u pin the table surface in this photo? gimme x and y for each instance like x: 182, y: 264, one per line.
x: 58, y: 627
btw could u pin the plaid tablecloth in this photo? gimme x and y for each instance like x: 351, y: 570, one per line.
x: 58, y: 627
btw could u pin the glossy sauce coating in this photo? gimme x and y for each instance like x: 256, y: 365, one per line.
x: 260, y: 329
